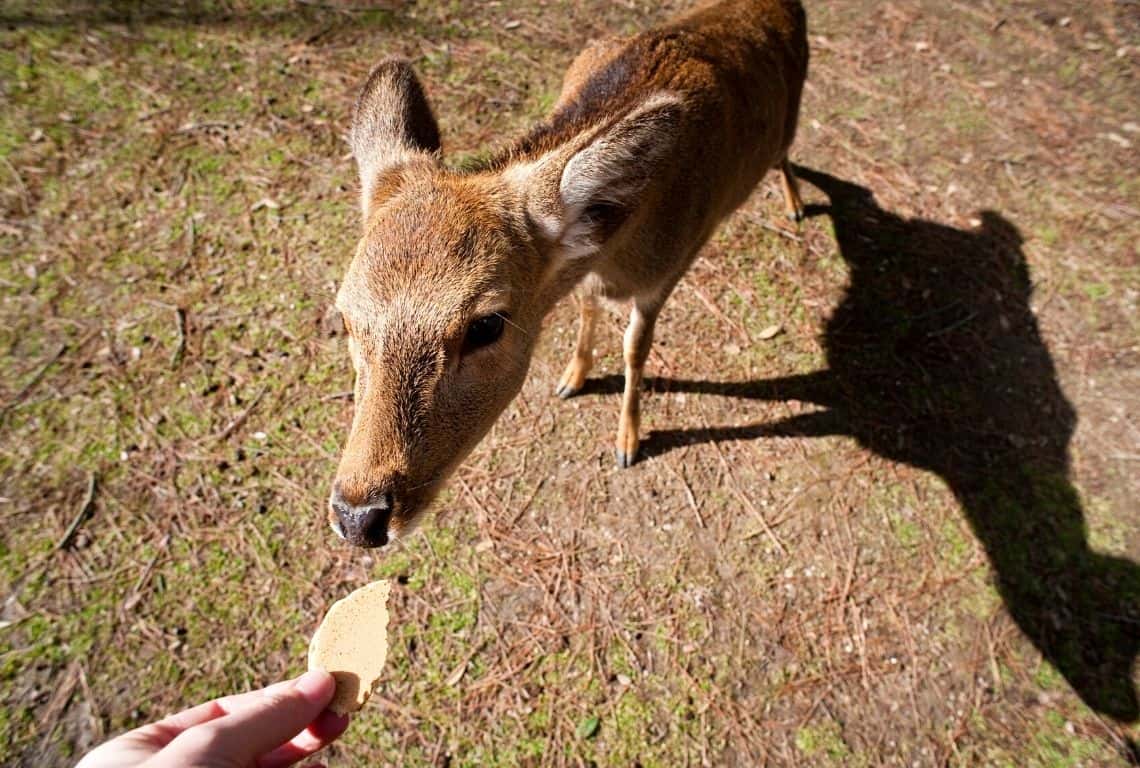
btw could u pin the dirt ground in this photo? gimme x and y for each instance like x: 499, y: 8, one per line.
x: 886, y: 513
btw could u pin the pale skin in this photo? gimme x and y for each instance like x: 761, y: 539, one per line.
x: 268, y: 728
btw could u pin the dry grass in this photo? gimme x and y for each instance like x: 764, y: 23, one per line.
x: 902, y: 531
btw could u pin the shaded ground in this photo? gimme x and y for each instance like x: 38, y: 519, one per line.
x: 903, y: 530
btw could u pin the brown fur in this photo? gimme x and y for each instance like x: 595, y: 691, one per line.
x: 654, y: 140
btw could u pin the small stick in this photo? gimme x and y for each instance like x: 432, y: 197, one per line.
x: 85, y: 511
x: 688, y: 494
x: 35, y: 379
x: 779, y: 230
x: 712, y: 307
x: 191, y: 241
x: 240, y: 418
x: 20, y: 181
x: 58, y: 703
x: 205, y: 126
x: 180, y: 349
x: 527, y: 503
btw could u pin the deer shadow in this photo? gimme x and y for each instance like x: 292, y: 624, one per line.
x: 935, y: 360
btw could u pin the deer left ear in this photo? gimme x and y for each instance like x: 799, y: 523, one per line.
x: 581, y: 197
x: 392, y: 124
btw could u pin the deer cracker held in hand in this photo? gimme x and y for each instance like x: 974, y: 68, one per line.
x: 654, y: 140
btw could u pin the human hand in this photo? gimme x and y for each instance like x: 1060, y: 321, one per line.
x: 269, y: 728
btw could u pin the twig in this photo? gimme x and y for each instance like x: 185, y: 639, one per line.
x: 93, y: 719
x: 58, y: 702
x: 85, y: 510
x: 207, y: 125
x: 191, y: 242
x: 23, y: 187
x: 995, y: 670
x: 526, y: 504
x: 778, y: 230
x: 712, y: 307
x: 689, y: 494
x: 39, y: 374
x: 240, y: 418
x: 180, y: 348
x: 487, y: 518
x: 136, y: 591
x: 952, y: 326
x: 765, y: 528
x: 850, y: 578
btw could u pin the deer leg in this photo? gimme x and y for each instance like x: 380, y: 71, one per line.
x: 638, y: 340
x: 792, y: 201
x: 574, y: 377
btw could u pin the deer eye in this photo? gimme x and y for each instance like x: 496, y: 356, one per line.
x: 483, y: 331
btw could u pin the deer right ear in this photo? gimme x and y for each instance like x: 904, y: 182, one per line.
x: 392, y: 123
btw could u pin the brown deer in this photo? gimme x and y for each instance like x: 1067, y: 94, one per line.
x: 654, y: 140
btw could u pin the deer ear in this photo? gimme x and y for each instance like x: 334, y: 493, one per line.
x: 392, y: 124
x: 580, y: 198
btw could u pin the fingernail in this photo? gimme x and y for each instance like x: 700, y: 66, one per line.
x: 316, y: 685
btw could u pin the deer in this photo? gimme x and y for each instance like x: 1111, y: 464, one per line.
x: 654, y: 139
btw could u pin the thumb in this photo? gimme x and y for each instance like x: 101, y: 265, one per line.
x: 275, y: 718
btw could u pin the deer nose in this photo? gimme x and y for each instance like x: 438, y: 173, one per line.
x: 362, y: 525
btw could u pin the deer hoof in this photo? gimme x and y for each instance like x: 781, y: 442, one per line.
x: 625, y: 460
x: 565, y: 391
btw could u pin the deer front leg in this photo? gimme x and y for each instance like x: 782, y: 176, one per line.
x: 574, y: 377
x: 638, y: 340
x: 792, y: 201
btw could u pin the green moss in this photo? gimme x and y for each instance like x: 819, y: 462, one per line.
x: 823, y: 741
x: 1097, y: 291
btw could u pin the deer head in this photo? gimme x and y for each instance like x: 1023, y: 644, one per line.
x: 450, y: 281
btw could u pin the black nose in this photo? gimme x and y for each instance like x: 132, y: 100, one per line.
x: 365, y: 525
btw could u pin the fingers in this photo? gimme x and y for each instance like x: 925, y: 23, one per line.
x: 169, y: 728
x: 164, y: 731
x: 239, y: 701
x: 259, y: 722
x: 320, y: 733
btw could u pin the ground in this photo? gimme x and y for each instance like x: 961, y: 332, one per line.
x: 886, y: 511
